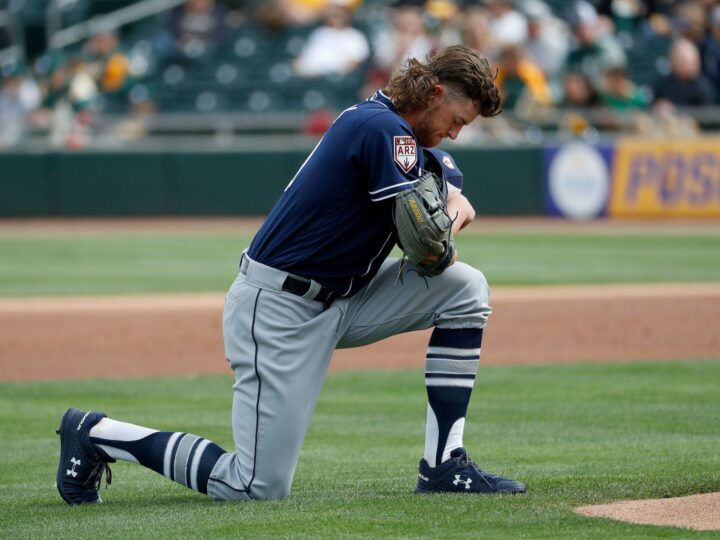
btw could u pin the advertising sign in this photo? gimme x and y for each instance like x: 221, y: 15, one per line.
x: 666, y: 178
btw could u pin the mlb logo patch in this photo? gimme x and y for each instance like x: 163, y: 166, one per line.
x: 448, y: 162
x: 405, y: 152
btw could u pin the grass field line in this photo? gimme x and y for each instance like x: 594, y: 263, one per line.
x: 10, y: 228
x: 160, y: 302
x: 577, y: 435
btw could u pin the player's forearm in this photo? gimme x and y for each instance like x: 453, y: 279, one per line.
x: 460, y: 206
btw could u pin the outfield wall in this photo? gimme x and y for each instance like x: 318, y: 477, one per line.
x: 623, y: 177
x: 114, y: 183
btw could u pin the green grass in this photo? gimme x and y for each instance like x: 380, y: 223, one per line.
x: 102, y: 264
x: 117, y: 263
x: 576, y: 435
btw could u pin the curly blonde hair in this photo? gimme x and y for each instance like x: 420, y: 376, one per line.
x: 462, y: 69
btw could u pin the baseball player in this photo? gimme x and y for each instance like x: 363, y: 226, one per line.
x: 317, y: 277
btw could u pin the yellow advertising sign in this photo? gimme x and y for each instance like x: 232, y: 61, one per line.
x: 666, y: 178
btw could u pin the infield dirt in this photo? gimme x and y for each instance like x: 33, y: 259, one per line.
x: 136, y: 336
x: 157, y: 335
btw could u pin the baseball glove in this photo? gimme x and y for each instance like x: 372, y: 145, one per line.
x: 424, y: 226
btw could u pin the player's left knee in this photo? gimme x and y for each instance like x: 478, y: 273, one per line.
x: 469, y: 300
x: 473, y: 284
x: 479, y: 284
x: 479, y: 292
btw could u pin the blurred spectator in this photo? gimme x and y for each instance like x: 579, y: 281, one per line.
x: 106, y: 63
x: 477, y: 33
x: 72, y: 117
x: 68, y: 93
x: 595, y: 50
x: 333, y: 48
x: 236, y: 15
x: 82, y: 87
x: 55, y: 86
x: 65, y: 80
x: 408, y: 37
x: 691, y: 21
x: 303, y: 12
x: 645, y: 8
x: 445, y: 17
x: 578, y: 91
x: 507, y: 25
x: 627, y: 14
x: 278, y: 15
x: 686, y: 85
x: 110, y: 69
x: 548, y: 41
x: 19, y: 96
x: 195, y: 28
x: 620, y: 93
x: 710, y: 51
x: 492, y: 25
x: 659, y: 17
x: 520, y: 80
x: 13, y: 115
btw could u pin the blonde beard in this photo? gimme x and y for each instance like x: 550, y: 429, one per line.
x: 423, y: 131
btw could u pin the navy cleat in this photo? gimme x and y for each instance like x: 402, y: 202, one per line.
x: 460, y: 474
x: 81, y: 464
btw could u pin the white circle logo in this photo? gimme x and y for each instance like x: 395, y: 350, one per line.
x: 579, y: 181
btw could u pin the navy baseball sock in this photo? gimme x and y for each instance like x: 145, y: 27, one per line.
x: 184, y: 458
x: 452, y: 360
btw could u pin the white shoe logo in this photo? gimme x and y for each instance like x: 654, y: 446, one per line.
x: 459, y: 480
x: 75, y: 463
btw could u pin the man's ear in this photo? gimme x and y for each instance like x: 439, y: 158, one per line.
x: 438, y: 94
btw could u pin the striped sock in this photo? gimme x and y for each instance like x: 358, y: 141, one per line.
x: 184, y: 458
x: 452, y: 360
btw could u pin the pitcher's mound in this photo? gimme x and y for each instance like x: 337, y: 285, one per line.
x: 699, y: 512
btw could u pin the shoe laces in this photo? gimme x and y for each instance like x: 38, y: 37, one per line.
x: 465, y: 461
x: 95, y: 477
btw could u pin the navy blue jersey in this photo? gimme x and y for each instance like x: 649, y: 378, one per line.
x: 334, y: 222
x: 442, y: 164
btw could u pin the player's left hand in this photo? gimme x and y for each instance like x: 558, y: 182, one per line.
x: 432, y: 258
x: 458, y: 205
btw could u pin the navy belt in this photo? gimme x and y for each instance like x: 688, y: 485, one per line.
x: 300, y: 287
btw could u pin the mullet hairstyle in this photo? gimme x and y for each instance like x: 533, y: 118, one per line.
x: 462, y: 69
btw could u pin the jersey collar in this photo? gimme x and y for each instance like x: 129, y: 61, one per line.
x: 380, y: 97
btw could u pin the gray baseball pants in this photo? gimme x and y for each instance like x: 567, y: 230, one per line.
x: 280, y: 344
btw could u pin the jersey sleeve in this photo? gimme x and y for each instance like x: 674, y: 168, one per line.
x: 452, y: 173
x: 439, y: 161
x: 390, y: 156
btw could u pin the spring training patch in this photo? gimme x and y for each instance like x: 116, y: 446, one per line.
x: 405, y: 152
